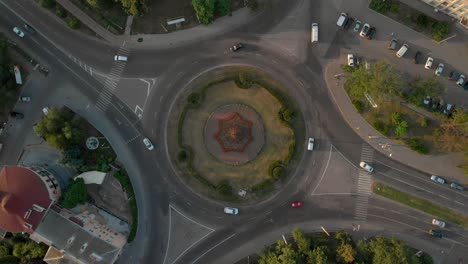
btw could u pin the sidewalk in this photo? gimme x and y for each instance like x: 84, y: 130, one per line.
x: 220, y: 25
x: 443, y: 165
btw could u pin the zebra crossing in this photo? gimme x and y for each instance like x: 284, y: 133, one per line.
x: 364, y: 185
x: 105, y: 96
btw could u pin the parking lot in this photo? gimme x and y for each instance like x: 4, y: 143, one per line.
x: 453, y: 54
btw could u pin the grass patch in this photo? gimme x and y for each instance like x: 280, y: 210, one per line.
x: 420, y: 204
x: 122, y: 177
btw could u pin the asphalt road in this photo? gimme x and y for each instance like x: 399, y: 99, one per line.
x: 277, y: 42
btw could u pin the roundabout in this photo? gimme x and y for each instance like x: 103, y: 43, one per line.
x: 237, y: 132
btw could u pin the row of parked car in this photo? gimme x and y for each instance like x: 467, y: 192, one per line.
x: 453, y: 76
x: 365, y: 31
x: 441, y: 180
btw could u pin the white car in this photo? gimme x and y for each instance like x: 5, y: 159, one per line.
x: 231, y: 210
x: 310, y: 144
x: 350, y: 60
x: 364, y: 30
x: 121, y: 58
x: 429, y: 62
x: 148, y: 144
x: 18, y: 32
x: 438, y: 179
x: 461, y: 80
x: 438, y: 223
x: 45, y: 110
x: 366, y: 166
x: 439, y: 69
x: 25, y: 99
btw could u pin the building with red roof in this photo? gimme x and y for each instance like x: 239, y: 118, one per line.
x: 26, y: 193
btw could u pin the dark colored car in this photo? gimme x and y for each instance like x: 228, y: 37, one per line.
x: 465, y: 86
x: 236, y: 47
x: 29, y: 29
x: 453, y: 76
x: 357, y: 61
x: 436, y: 233
x: 16, y: 115
x: 392, y: 45
x: 371, y: 34
x: 348, y: 23
x: 417, y: 56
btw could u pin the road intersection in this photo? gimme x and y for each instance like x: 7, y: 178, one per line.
x: 129, y: 101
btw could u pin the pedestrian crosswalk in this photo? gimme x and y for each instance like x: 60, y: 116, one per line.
x: 364, y: 185
x: 105, y: 96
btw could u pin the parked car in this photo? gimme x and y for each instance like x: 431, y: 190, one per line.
x: 310, y: 144
x: 357, y: 61
x: 438, y: 223
x: 439, y: 69
x: 429, y: 62
x: 427, y: 101
x: 366, y: 166
x: 364, y: 30
x: 448, y: 109
x: 438, y: 179
x: 231, y: 210
x: 348, y: 23
x: 236, y: 47
x: 461, y: 80
x: 371, y: 33
x: 453, y: 76
x: 120, y: 58
x: 350, y: 60
x: 417, y: 56
x: 29, y: 29
x: 18, y: 32
x: 17, y: 115
x: 465, y: 86
x: 45, y: 110
x: 357, y: 27
x: 297, y: 204
x: 341, y: 19
x: 393, y: 44
x: 436, y: 233
x: 148, y: 144
x: 25, y: 99
x: 402, y: 51
x: 456, y: 186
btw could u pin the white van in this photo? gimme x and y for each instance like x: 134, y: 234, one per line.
x: 401, y: 52
x: 121, y: 58
x: 314, y: 33
x: 341, y: 19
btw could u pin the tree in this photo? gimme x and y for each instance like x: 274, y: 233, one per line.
x: 100, y: 4
x: 401, y: 128
x: 9, y: 260
x: 318, y: 256
x: 30, y: 250
x: 4, y: 251
x: 343, y: 237
x: 452, y: 134
x: 346, y: 253
x: 75, y: 194
x: 223, y: 7
x: 420, y: 88
x: 131, y: 6
x: 286, y: 254
x: 303, y: 243
x: 252, y: 4
x: 205, y: 10
x: 387, y: 251
x: 47, y: 3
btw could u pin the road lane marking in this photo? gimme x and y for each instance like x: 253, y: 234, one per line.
x: 325, y: 170
x: 318, y: 194
x: 459, y: 202
x: 226, y: 239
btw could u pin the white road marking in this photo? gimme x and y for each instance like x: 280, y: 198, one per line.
x: 318, y: 194
x: 229, y: 237
x: 324, y: 171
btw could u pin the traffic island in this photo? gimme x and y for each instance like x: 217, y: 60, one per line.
x: 238, y: 134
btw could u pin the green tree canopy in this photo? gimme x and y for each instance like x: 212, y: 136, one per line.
x: 205, y: 10
x: 75, y: 194
x: 387, y: 251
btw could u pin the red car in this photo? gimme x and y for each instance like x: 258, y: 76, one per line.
x: 296, y: 204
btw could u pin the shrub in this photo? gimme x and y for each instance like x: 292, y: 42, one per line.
x: 223, y: 7
x: 60, y: 11
x: 245, y: 80
x: 359, y: 105
x: 396, y: 118
x: 73, y: 23
x: 401, y: 128
x: 422, y: 20
x: 194, y: 100
x: 417, y: 145
x: 439, y: 30
x: 381, y: 6
x: 224, y: 188
x: 382, y: 127
x: 424, y: 122
x: 286, y: 114
x: 347, y: 68
x: 276, y: 170
x: 182, y: 156
x: 47, y: 3
x: 395, y: 8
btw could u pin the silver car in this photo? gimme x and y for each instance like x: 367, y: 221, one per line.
x: 438, y: 179
x: 357, y: 27
x: 18, y: 32
x: 438, y: 223
x: 461, y: 80
x: 231, y: 210
x: 366, y: 166
x: 148, y: 144
x: 439, y: 69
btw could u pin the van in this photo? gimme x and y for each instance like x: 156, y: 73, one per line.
x: 314, y: 33
x: 401, y: 52
x: 121, y: 58
x: 342, y: 19
x: 310, y: 144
